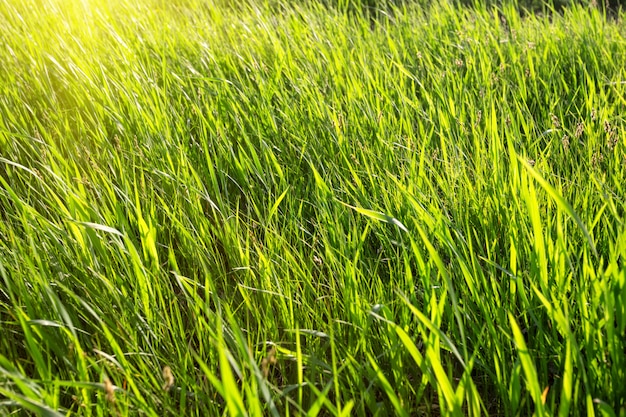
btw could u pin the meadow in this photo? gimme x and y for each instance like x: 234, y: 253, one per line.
x: 292, y: 208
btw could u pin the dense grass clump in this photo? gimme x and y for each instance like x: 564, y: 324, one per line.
x: 273, y: 209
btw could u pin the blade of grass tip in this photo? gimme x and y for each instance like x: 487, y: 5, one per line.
x: 561, y: 202
x: 376, y: 215
x: 320, y: 183
x: 605, y: 409
x: 101, y: 227
x: 276, y: 204
x: 532, y: 382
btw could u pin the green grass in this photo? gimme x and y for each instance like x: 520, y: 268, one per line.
x: 272, y: 209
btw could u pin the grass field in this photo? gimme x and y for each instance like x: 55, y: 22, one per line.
x: 279, y: 209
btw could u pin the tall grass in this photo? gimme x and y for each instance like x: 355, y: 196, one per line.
x: 273, y: 209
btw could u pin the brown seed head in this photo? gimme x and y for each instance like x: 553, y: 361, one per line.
x: 580, y: 129
x: 612, y: 141
x: 168, y: 378
x: 268, y: 361
x: 596, y: 159
x: 109, y: 390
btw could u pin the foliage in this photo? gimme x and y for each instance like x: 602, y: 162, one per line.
x: 280, y: 209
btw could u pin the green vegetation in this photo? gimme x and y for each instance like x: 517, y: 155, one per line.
x: 279, y: 210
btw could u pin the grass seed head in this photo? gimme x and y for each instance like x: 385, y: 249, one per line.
x: 612, y: 140
x: 596, y: 159
x: 479, y: 116
x: 168, y: 378
x: 580, y: 129
x: 109, y: 390
x: 268, y: 361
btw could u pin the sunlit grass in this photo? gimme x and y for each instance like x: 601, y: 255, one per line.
x: 273, y: 209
